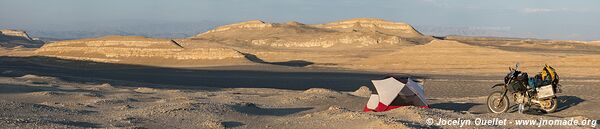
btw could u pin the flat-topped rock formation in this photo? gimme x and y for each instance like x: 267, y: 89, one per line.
x: 15, y: 38
x: 254, y: 24
x: 376, y: 25
x: 16, y: 33
x: 353, y: 33
x: 116, y: 41
x: 138, y: 50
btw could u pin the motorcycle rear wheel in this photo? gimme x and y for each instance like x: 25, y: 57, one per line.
x: 552, y: 107
x: 495, y: 105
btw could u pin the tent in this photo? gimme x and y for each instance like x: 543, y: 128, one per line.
x: 394, y: 93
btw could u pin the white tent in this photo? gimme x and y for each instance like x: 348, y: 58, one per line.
x: 392, y: 93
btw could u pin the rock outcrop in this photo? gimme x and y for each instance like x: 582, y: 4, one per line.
x: 136, y: 50
x: 376, y: 25
x: 254, y: 24
x: 353, y: 33
x: 16, y: 33
x: 15, y: 38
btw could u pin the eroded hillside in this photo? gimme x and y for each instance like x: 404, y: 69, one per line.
x: 353, y: 33
x: 140, y: 50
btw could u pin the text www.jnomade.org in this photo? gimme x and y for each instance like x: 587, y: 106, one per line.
x: 502, y: 122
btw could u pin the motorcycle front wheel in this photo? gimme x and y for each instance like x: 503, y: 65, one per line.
x: 497, y: 103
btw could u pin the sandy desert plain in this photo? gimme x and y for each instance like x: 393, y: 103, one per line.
x: 257, y: 74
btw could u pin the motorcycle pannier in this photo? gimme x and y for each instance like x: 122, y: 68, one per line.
x: 545, y: 91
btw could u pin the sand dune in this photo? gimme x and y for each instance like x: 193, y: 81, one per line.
x: 541, y: 46
x: 451, y: 57
x: 597, y: 43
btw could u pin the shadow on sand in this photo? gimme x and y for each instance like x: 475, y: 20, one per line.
x: 278, y: 77
x: 457, y: 107
x: 564, y: 102
x: 232, y: 124
x: 77, y: 124
x: 252, y: 109
x: 25, y: 89
x: 291, y: 63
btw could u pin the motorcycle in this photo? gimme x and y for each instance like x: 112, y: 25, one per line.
x: 516, y: 85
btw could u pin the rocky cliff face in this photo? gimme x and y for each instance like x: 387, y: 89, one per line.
x: 354, y: 33
x: 15, y: 33
x: 254, y: 24
x: 376, y: 25
x: 325, y: 41
x: 15, y: 38
x: 135, y: 50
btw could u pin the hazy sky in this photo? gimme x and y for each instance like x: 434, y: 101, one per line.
x: 557, y: 19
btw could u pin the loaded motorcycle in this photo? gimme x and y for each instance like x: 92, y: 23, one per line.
x: 526, y: 92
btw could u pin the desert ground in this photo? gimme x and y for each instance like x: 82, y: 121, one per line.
x: 281, y: 75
